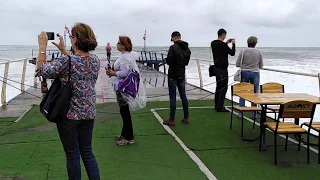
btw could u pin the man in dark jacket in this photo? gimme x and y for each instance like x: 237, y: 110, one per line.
x: 220, y: 52
x: 178, y: 58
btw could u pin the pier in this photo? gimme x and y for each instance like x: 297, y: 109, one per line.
x: 204, y: 149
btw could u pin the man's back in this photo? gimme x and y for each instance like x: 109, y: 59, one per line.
x: 220, y: 52
x: 178, y: 57
x: 108, y: 48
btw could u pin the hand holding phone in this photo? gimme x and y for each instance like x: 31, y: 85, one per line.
x: 108, y: 71
x: 60, y: 46
x: 43, y: 41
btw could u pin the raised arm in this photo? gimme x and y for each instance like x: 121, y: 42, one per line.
x: 231, y: 51
x: 54, y: 68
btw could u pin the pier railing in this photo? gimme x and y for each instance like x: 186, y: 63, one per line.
x: 208, y: 61
x: 155, y: 60
x: 151, y: 59
x: 23, y: 64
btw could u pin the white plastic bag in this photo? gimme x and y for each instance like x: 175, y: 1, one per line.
x: 237, y: 75
x: 140, y: 101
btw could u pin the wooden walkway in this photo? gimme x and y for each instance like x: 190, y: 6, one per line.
x: 155, y: 82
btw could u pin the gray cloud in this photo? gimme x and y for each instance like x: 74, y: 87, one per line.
x: 276, y: 23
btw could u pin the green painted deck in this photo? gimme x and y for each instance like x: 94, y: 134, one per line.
x: 30, y: 149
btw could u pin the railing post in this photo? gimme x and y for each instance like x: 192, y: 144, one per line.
x: 185, y: 77
x: 145, y: 55
x: 4, y: 84
x: 23, y: 77
x: 319, y: 85
x: 156, y: 65
x: 164, y: 64
x: 150, y: 64
x: 35, y: 79
x: 199, y: 72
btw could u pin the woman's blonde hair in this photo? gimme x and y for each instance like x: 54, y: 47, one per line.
x: 86, y: 40
x: 252, y: 41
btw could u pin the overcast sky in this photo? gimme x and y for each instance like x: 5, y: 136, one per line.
x: 274, y: 22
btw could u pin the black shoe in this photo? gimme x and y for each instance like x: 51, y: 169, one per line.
x: 221, y: 110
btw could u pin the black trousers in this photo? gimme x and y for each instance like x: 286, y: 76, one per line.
x: 127, y: 129
x: 222, y: 78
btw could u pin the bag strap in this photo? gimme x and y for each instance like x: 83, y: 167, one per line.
x: 241, y: 58
x: 69, y: 73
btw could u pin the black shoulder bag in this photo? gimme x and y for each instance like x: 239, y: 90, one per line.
x: 56, y: 103
x: 211, y: 71
x: 211, y: 67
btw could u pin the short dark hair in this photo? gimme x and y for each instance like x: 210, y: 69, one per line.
x: 126, y: 42
x: 86, y: 40
x: 221, y: 32
x: 252, y: 41
x: 175, y: 34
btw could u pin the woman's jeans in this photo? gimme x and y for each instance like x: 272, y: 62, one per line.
x: 252, y: 78
x: 76, y: 138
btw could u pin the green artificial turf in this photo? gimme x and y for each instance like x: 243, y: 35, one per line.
x: 228, y: 157
x: 31, y: 149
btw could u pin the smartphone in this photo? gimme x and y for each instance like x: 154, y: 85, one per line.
x: 50, y: 35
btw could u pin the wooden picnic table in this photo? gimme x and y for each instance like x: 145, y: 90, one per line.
x: 277, y: 98
x: 264, y: 99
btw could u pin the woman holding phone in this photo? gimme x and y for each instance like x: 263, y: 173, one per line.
x: 76, y: 129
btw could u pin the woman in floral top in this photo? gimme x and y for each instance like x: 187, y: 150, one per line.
x: 75, y: 130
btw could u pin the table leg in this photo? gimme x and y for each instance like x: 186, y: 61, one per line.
x: 262, y: 120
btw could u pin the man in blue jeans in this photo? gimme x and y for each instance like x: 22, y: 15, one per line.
x: 220, y: 52
x: 178, y: 58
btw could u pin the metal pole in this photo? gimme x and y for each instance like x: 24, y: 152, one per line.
x: 4, y: 85
x: 65, y: 42
x: 199, y: 72
x: 145, y: 40
x: 23, y: 77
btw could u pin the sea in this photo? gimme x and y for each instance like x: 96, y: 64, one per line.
x: 296, y: 59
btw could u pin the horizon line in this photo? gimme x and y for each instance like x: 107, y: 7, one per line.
x: 191, y: 46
